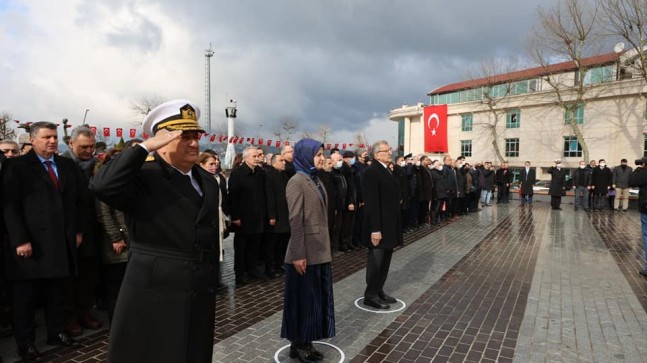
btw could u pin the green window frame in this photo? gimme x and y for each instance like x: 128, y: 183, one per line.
x: 466, y: 148
x: 578, y: 113
x: 645, y: 145
x: 513, y: 119
x: 572, y: 148
x: 512, y: 147
x: 466, y: 122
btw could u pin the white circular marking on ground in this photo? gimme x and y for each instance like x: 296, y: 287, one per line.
x: 380, y: 311
x: 343, y: 356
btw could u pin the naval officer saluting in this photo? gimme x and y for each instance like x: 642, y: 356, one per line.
x: 166, y: 306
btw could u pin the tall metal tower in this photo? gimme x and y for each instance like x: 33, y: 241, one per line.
x: 207, y: 89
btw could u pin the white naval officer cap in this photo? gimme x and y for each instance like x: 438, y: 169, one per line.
x: 173, y: 115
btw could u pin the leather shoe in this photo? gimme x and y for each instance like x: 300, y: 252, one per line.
x: 63, y: 340
x: 376, y: 304
x: 88, y: 321
x: 304, y: 353
x: 387, y: 299
x: 30, y: 354
x: 73, y: 329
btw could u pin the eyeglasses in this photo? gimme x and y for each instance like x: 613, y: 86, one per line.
x: 389, y: 150
x: 13, y: 151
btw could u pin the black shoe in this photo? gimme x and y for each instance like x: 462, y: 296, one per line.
x: 376, y: 304
x: 314, y: 352
x: 242, y: 280
x: 30, y: 354
x: 63, y: 340
x: 272, y: 274
x: 387, y: 299
x: 303, y: 353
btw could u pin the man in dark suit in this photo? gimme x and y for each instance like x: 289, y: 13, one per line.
x: 83, y: 287
x: 381, y: 224
x: 171, y: 207
x: 526, y: 183
x: 557, y: 185
x: 42, y: 208
x: 503, y: 179
x: 278, y: 231
x: 248, y: 214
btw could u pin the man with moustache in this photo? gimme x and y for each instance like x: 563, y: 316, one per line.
x: 166, y: 306
x: 43, y: 210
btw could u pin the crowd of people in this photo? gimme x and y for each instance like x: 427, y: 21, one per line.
x: 67, y: 248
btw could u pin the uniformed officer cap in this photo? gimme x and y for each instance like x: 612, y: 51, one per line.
x: 173, y: 115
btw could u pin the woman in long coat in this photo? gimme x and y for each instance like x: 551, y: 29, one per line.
x: 308, y: 309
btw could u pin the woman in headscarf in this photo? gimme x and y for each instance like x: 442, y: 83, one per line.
x: 308, y: 309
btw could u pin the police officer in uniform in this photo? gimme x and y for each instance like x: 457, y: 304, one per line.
x: 166, y: 306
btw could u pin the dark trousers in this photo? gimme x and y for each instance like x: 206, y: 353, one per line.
x: 601, y: 201
x: 503, y: 193
x: 114, y: 276
x: 336, y: 238
x: 437, y: 209
x: 25, y: 296
x: 377, y: 270
x: 348, y: 227
x: 413, y: 212
x: 84, y: 286
x: 275, y: 247
x: 423, y: 212
x: 555, y: 202
x: 449, y: 203
x: 246, y: 253
x: 404, y: 217
x: 357, y: 229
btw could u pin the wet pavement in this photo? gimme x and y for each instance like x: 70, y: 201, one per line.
x: 501, y: 285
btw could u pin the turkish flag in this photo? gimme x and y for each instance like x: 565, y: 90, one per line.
x: 93, y: 129
x: 133, y: 132
x: 213, y: 138
x: 260, y: 141
x: 435, y: 124
x: 222, y: 138
x: 120, y: 132
x: 278, y: 143
x: 145, y: 136
x: 106, y: 131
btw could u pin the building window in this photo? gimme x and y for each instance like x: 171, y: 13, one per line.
x: 598, y: 75
x: 466, y: 125
x: 645, y: 145
x: 466, y: 148
x: 512, y: 147
x: 513, y: 119
x: 578, y: 112
x: 572, y: 148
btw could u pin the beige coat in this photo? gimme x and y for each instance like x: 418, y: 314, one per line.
x: 309, y: 237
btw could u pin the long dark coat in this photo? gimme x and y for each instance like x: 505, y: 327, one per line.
x: 427, y: 184
x: 35, y: 211
x: 601, y: 180
x: 277, y: 204
x: 557, y: 181
x: 172, y: 270
x: 527, y: 181
x: 247, y: 199
x: 440, y: 188
x: 400, y: 174
x: 382, y: 202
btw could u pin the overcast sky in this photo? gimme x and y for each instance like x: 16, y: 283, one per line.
x: 340, y: 63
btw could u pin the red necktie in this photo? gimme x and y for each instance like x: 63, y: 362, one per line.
x: 51, y: 172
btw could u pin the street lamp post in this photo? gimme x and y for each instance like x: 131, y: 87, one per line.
x: 84, y: 116
x: 230, y: 112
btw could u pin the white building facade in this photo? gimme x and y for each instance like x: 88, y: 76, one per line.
x: 523, y: 114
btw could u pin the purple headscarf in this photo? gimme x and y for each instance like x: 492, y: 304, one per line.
x: 304, y: 156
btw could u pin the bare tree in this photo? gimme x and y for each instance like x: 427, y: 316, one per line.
x: 360, y: 139
x: 627, y: 19
x: 570, y: 31
x: 324, y: 133
x: 494, y: 92
x: 144, y: 105
x: 285, y: 128
x: 6, y: 129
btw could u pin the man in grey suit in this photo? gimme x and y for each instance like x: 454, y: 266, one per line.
x: 381, y: 224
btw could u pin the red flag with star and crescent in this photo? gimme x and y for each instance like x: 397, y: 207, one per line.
x: 435, y: 124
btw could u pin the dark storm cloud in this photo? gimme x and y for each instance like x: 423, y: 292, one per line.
x: 350, y: 60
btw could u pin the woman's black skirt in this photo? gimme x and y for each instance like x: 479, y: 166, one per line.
x: 308, y: 308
